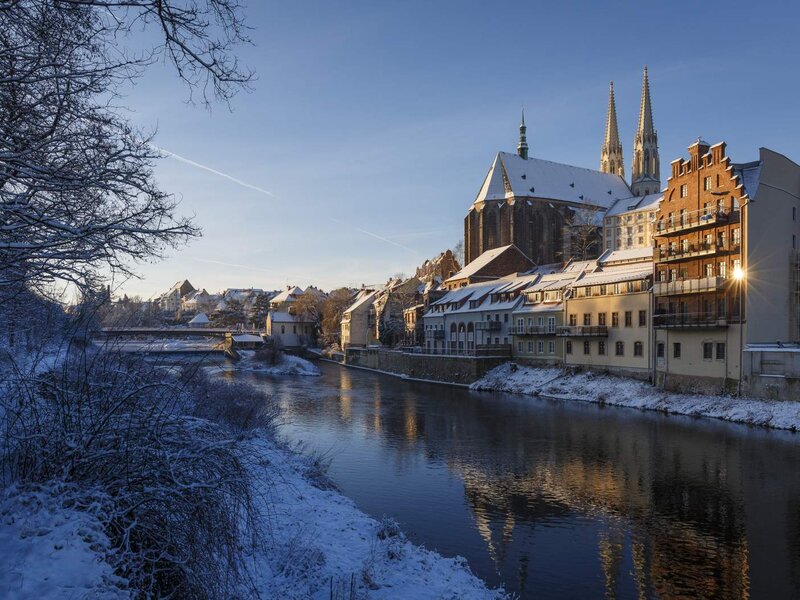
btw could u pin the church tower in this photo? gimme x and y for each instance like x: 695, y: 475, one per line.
x: 646, y: 177
x: 611, y: 160
x: 522, y: 147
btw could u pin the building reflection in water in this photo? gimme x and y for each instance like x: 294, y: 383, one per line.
x: 656, y: 507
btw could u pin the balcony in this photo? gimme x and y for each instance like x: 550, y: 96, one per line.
x: 534, y: 330
x: 695, y: 219
x: 689, y: 320
x: 488, y: 326
x: 689, y: 286
x: 664, y: 254
x: 438, y: 334
x: 582, y: 331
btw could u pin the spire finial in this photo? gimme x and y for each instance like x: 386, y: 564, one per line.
x: 522, y: 147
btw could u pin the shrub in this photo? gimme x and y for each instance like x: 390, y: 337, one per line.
x: 163, y: 454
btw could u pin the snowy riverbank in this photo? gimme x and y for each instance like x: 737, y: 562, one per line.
x: 620, y: 391
x: 315, y: 538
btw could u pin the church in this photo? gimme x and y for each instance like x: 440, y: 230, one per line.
x: 552, y: 211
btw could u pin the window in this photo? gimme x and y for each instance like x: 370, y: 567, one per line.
x: 720, y: 350
x: 519, y: 346
x: 620, y: 348
x: 707, y: 183
x: 642, y: 318
x: 601, y: 319
x: 283, y: 329
x: 638, y: 349
x: 573, y: 320
x: 568, y: 347
x: 615, y: 319
x: 601, y: 348
x: 530, y: 347
x: 587, y: 319
x: 684, y: 190
x: 660, y: 350
x: 540, y: 347
x: 497, y: 341
x: 505, y: 318
x: 709, y: 270
x: 708, y: 350
x: 551, y: 324
x: 628, y: 318
x: 722, y: 269
x: 551, y: 347
x: 586, y: 347
x: 736, y: 237
x: 676, y: 350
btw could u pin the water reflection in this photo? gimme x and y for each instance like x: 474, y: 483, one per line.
x: 559, y: 499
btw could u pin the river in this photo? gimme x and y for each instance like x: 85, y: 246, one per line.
x: 559, y: 499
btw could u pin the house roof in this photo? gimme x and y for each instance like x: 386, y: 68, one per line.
x: 635, y: 204
x: 199, y: 319
x: 616, y: 274
x: 284, y: 317
x: 482, y: 261
x: 626, y: 255
x: 363, y: 300
x: 286, y: 295
x: 512, y: 175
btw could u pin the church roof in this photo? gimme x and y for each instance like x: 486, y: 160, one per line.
x: 512, y: 175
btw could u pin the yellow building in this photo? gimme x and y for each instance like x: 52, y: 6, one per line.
x: 608, y: 315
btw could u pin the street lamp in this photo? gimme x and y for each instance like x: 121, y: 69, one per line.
x: 738, y: 275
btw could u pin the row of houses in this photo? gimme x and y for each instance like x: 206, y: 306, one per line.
x: 697, y: 287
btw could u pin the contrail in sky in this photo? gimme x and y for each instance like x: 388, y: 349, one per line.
x: 214, y: 171
x: 268, y: 193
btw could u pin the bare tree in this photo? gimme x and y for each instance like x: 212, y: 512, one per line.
x: 583, y: 233
x: 458, y: 252
x: 77, y: 192
x: 332, y: 309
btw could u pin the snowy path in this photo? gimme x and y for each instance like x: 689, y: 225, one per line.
x: 621, y: 391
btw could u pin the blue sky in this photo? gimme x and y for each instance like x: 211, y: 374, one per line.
x: 373, y: 124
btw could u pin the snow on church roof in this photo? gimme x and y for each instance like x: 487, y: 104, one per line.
x: 537, y: 178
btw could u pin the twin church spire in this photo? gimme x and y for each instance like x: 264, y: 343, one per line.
x: 646, y: 172
x: 646, y: 177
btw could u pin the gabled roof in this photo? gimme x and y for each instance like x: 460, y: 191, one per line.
x: 485, y: 260
x: 512, y: 175
x: 286, y: 295
x: 199, y: 319
x: 365, y: 299
x: 635, y: 204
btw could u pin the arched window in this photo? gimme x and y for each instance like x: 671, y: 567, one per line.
x: 638, y: 349
x: 646, y: 169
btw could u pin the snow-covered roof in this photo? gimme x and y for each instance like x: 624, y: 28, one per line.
x: 552, y: 282
x: 635, y: 204
x: 512, y: 175
x: 463, y: 293
x: 480, y: 262
x: 247, y: 338
x: 199, y: 319
x: 367, y: 298
x: 626, y: 255
x: 749, y: 175
x: 287, y: 294
x: 616, y: 275
x: 540, y: 307
x: 285, y: 317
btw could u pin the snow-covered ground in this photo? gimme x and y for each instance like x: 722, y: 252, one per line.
x: 51, y: 550
x: 621, y: 391
x: 315, y: 538
x: 322, y: 539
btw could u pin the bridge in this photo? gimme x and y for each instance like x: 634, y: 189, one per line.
x: 171, y: 332
x: 153, y: 340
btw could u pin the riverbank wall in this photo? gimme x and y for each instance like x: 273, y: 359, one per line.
x: 462, y: 370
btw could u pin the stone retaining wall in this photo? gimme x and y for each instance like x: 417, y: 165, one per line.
x: 447, y: 369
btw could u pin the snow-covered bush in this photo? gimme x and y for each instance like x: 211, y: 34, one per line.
x: 174, y: 486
